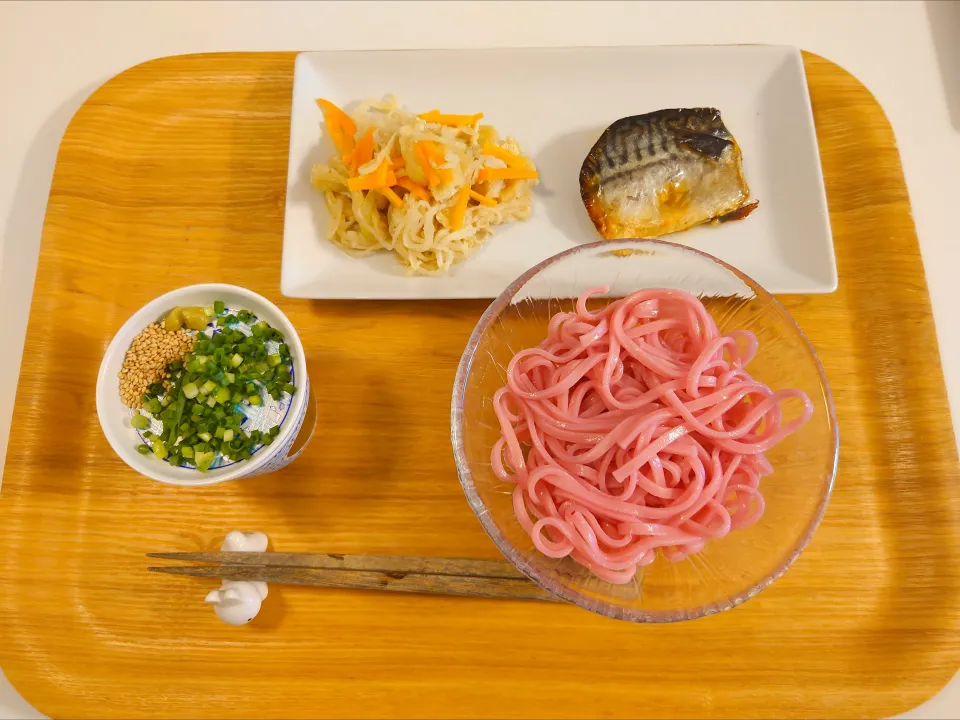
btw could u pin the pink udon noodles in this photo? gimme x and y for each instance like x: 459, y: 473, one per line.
x: 636, y: 427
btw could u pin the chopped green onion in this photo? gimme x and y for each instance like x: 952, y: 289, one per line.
x: 201, y: 411
x: 204, y: 460
x: 140, y: 422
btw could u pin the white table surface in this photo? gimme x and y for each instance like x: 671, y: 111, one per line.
x: 53, y: 55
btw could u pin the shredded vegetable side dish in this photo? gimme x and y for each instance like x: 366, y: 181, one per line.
x: 430, y: 187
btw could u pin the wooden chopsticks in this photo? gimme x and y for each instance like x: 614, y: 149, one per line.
x: 436, y: 576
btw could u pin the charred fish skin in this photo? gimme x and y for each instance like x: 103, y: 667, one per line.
x: 662, y: 172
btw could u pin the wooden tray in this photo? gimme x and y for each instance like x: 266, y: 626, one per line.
x: 173, y: 173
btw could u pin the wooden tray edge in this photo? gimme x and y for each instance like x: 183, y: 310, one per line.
x: 92, y: 99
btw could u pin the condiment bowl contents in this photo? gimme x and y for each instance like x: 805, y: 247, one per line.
x: 205, y: 384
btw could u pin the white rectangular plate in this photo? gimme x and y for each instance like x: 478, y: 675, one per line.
x: 556, y: 103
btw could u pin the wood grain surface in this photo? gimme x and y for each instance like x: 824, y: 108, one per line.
x: 173, y: 173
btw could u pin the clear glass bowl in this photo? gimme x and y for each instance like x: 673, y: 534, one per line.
x: 727, y: 571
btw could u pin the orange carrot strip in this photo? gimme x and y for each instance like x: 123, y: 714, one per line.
x: 422, y: 150
x: 486, y: 174
x: 435, y: 116
x: 391, y: 196
x: 418, y: 190
x: 341, y: 127
x: 511, y: 159
x: 363, y: 152
x: 382, y: 177
x: 398, y: 162
x: 436, y: 155
x: 460, y: 209
x: 482, y: 199
x: 364, y: 182
x: 433, y: 152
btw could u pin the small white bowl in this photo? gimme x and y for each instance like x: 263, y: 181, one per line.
x: 115, y: 416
